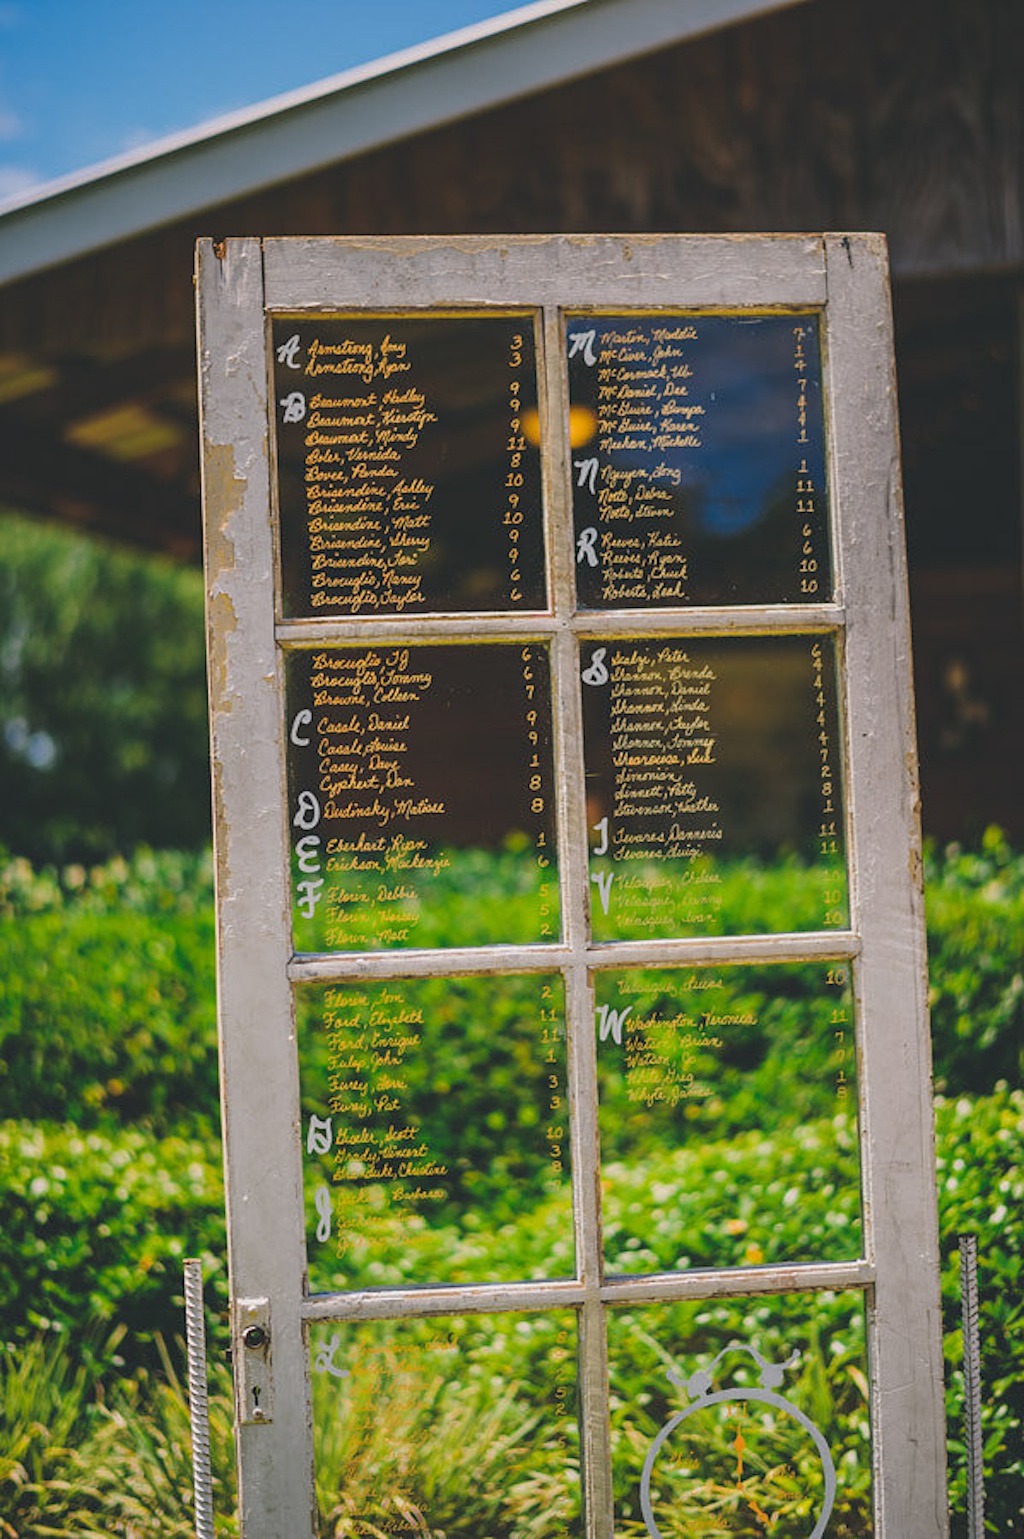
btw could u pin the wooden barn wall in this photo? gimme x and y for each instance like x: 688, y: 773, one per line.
x: 904, y: 118
x: 899, y: 115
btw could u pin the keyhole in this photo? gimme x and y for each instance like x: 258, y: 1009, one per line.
x: 256, y: 1401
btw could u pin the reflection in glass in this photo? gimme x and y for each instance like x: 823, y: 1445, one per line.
x: 420, y: 791
x: 435, y: 1131
x: 407, y: 482
x: 742, y: 1417
x: 698, y: 460
x: 714, y: 793
x: 730, y: 1094
x: 462, y: 1427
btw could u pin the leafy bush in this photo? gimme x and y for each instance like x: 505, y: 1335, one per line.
x: 97, y: 1224
x: 84, y: 1460
x: 163, y: 1189
x: 107, y: 1009
x: 117, y: 1028
x: 120, y: 1021
x: 975, y: 928
x: 981, y: 1192
x: 103, y: 735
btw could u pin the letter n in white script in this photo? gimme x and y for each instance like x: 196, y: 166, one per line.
x: 611, y: 1022
x: 586, y: 474
x: 604, y: 880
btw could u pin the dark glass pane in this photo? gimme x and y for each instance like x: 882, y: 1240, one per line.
x: 730, y: 1093
x: 420, y: 791
x: 741, y: 1417
x: 453, y: 1427
x: 435, y: 1131
x: 698, y: 460
x: 408, y: 464
x: 713, y: 786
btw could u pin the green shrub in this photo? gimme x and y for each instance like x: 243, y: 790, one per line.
x: 981, y: 1192
x: 975, y: 903
x: 114, y: 1032
x: 103, y: 729
x: 84, y: 1460
x: 112, y: 1246
x: 97, y: 1224
x: 108, y: 1009
x: 108, y: 1004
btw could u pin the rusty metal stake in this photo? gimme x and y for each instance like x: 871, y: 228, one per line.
x: 968, y: 1244
x: 198, y: 1403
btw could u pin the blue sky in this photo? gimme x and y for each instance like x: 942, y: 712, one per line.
x: 82, y: 80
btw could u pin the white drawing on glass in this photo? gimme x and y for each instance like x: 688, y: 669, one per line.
x: 597, y: 673
x: 586, y: 475
x: 322, y: 1201
x: 307, y: 811
x: 699, y: 1389
x: 586, y: 545
x: 324, y: 1360
x: 307, y: 853
x: 301, y: 719
x: 611, y: 1022
x: 309, y: 893
x: 603, y: 882
x: 288, y: 352
x: 582, y: 342
x: 320, y: 1137
x: 293, y: 406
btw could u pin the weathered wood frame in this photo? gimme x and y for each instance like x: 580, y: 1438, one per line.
x: 241, y: 284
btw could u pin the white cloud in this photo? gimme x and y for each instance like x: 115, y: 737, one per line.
x: 17, y: 179
x: 11, y: 126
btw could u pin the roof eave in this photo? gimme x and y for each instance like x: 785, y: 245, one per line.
x: 528, y: 50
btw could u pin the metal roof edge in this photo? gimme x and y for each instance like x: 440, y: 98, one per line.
x: 364, y: 108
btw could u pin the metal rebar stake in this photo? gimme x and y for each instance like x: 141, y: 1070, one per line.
x: 198, y: 1403
x: 968, y: 1244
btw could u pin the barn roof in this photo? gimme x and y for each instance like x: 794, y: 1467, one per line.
x: 500, y: 60
x: 565, y: 115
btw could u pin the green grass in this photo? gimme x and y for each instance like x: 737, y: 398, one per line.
x: 109, y: 1051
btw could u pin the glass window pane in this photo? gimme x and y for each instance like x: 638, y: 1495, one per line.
x: 462, y: 1427
x: 408, y: 464
x: 714, y: 786
x: 435, y: 1131
x: 728, y: 1116
x: 741, y: 1417
x: 698, y: 459
x: 421, y: 797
